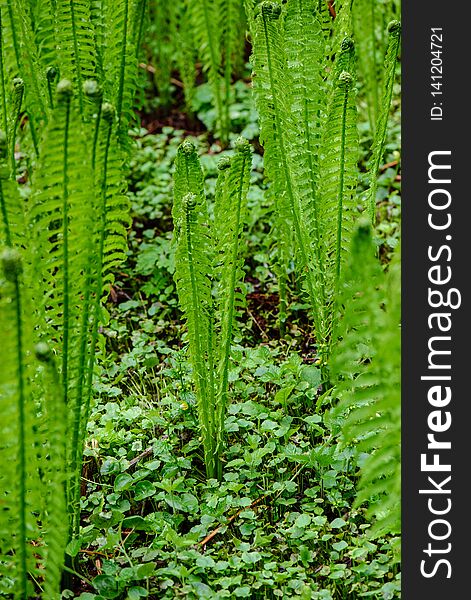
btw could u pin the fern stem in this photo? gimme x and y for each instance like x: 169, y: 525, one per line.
x: 2, y: 82
x: 65, y: 253
x: 338, y: 249
x: 5, y: 219
x: 199, y: 358
x: 22, y: 580
x: 122, y: 68
x: 228, y: 316
x: 77, y: 62
x: 95, y: 136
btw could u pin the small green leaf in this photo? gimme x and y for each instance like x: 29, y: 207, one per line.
x: 106, y: 586
x: 135, y: 522
x: 303, y: 521
x: 145, y: 570
x: 123, y: 482
x: 339, y: 546
x: 73, y: 547
x: 338, y: 523
x: 137, y: 592
x: 312, y: 375
x: 144, y: 489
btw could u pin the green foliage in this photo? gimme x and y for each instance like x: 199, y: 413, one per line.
x: 206, y: 24
x: 201, y: 274
x: 71, y: 232
x: 390, y: 63
x: 366, y: 364
x: 310, y: 153
x: 32, y: 448
x: 142, y: 393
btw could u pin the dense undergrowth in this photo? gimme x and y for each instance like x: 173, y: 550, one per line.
x: 281, y: 518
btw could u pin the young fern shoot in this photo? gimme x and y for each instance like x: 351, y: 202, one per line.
x: 209, y: 284
x: 230, y: 217
x: 193, y: 279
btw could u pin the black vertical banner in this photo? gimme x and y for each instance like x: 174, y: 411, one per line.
x: 436, y: 397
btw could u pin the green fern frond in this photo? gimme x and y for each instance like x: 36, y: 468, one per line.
x: 204, y: 17
x: 32, y: 515
x: 390, y: 63
x: 338, y: 181
x: 185, y: 54
x: 43, y: 16
x: 370, y: 19
x: 21, y: 60
x: 230, y: 217
x: 193, y: 260
x: 62, y: 222
x: 74, y: 31
x: 119, y: 60
x: 272, y: 100
x: 305, y: 51
x: 366, y: 366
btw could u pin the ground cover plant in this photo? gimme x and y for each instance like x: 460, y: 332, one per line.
x: 199, y: 275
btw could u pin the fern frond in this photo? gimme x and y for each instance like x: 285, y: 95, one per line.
x: 338, y: 180
x: 185, y: 55
x: 62, y: 222
x: 230, y: 217
x: 43, y: 16
x: 192, y: 276
x: 75, y: 36
x: 272, y: 100
x: 22, y: 60
x: 370, y: 19
x: 119, y: 60
x: 207, y: 36
x: 32, y: 519
x: 305, y: 52
x: 382, y: 123
x: 366, y: 365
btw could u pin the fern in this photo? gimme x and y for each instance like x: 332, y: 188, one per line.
x: 61, y: 220
x: 273, y: 107
x: 193, y: 260
x: 314, y: 189
x: 76, y: 37
x: 381, y: 129
x: 204, y: 16
x: 22, y: 60
x: 33, y: 502
x: 338, y: 179
x: 370, y: 19
x: 366, y: 367
x: 185, y: 53
x: 208, y: 286
x: 229, y: 221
